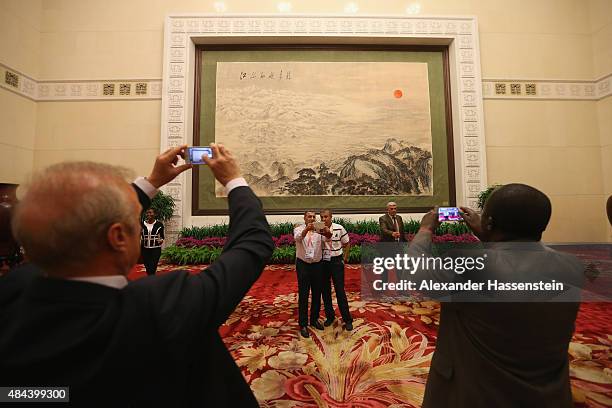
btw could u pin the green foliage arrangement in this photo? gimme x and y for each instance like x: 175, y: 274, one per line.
x: 281, y: 228
x: 206, y: 255
x: 354, y: 255
x: 283, y: 255
x: 453, y: 228
x: 484, y: 195
x: 411, y: 226
x: 219, y: 230
x: 163, y: 204
x: 358, y: 227
x: 191, y: 256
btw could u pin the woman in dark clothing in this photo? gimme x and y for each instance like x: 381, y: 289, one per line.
x: 151, y: 239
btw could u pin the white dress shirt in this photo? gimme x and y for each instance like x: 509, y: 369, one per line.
x: 309, y: 248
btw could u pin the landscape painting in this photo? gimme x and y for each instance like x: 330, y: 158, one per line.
x: 327, y: 128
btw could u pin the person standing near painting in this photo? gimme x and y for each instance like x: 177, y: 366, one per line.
x: 391, y: 225
x: 335, y: 254
x: 391, y: 231
x: 151, y: 240
x: 308, y: 255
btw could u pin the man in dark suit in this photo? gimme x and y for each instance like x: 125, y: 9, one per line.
x: 74, y: 319
x: 504, y: 354
x: 391, y: 225
x: 391, y: 231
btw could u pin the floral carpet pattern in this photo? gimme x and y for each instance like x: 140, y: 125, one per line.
x: 384, y: 361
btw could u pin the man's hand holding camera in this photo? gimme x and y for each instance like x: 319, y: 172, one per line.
x: 472, y: 219
x: 430, y: 221
x: 326, y: 232
x: 222, y: 164
x: 165, y: 168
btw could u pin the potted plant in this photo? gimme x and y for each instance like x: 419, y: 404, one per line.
x: 484, y: 195
x: 164, y: 205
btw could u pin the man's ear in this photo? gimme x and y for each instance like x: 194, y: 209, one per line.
x: 117, y: 236
x: 490, y: 223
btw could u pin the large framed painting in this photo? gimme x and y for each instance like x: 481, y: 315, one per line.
x: 349, y: 128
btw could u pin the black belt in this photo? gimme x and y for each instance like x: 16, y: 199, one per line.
x: 307, y: 263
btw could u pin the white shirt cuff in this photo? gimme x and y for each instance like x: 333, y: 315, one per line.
x: 232, y: 184
x: 146, y: 187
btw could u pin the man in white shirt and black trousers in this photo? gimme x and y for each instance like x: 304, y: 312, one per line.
x: 308, y: 255
x: 335, y: 254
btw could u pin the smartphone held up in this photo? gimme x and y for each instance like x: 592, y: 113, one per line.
x: 194, y: 154
x: 318, y: 225
x: 446, y: 214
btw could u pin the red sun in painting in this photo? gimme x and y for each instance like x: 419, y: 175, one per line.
x: 398, y: 93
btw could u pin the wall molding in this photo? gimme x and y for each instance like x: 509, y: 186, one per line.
x: 79, y: 90
x: 151, y: 89
x: 547, y: 89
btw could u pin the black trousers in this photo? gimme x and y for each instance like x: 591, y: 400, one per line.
x: 333, y: 270
x: 309, y: 280
x: 150, y: 257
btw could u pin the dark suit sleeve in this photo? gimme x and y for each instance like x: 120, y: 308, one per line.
x: 144, y: 199
x: 186, y: 303
x: 385, y: 232
x: 248, y: 249
x: 161, y: 230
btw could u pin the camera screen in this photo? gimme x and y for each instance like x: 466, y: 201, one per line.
x: 448, y: 214
x: 195, y: 154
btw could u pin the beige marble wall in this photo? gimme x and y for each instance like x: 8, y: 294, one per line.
x: 18, y: 118
x: 601, y: 34
x: 124, y: 133
x: 553, y: 146
x: 600, y: 13
x: 543, y: 39
x: 604, y: 115
x: 19, y: 48
x: 20, y: 26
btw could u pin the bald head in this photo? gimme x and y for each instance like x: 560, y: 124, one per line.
x: 67, y: 210
x: 517, y: 211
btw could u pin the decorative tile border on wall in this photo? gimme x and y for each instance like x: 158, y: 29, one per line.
x: 17, y: 82
x: 113, y: 89
x: 73, y: 90
x: 547, y: 89
x: 99, y: 90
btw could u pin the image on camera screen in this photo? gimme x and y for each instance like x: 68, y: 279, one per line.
x: 448, y: 214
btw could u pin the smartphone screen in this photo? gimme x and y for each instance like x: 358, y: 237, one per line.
x: 319, y: 225
x: 448, y: 214
x: 195, y: 153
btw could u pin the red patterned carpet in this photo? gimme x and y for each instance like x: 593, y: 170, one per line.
x: 384, y: 362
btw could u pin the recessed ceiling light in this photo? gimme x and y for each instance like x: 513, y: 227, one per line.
x: 284, y: 7
x: 219, y: 6
x: 351, y: 8
x: 413, y: 8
